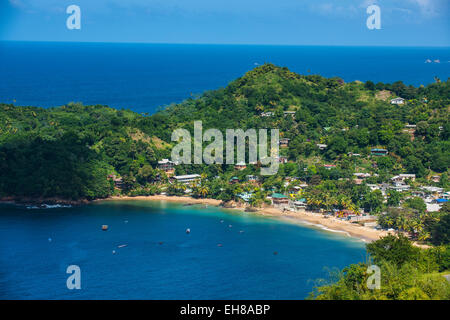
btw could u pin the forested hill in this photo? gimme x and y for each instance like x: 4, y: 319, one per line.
x: 348, y: 117
x: 319, y: 102
x: 69, y: 151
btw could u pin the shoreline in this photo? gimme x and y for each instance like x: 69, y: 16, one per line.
x: 316, y: 220
x: 330, y: 224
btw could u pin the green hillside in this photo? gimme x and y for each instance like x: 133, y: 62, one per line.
x: 69, y: 151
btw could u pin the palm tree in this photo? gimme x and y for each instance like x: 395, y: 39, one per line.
x: 204, y: 190
x: 389, y: 221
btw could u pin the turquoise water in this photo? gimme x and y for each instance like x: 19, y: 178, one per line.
x: 143, y: 77
x: 37, y: 245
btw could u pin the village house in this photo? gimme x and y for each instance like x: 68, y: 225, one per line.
x: 329, y: 166
x: 351, y: 154
x: 240, y: 166
x: 167, y: 166
x: 282, y: 159
x: 321, y: 146
x: 289, y: 113
x: 252, y: 178
x: 374, y: 187
x: 300, y: 204
x: 267, y: 114
x: 118, y: 181
x: 398, y: 101
x: 433, y: 207
x: 410, y: 129
x: 401, y: 178
x: 359, y: 218
x: 246, y: 196
x: 436, y: 178
x: 279, y: 199
x: 400, y: 187
x: 378, y: 152
x: 436, y: 191
x: 284, y: 142
x: 186, y: 179
x: 234, y: 180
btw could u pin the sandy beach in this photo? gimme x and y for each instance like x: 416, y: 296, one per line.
x: 324, y: 222
x: 190, y: 200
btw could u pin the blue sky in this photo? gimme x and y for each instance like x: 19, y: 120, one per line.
x: 290, y: 22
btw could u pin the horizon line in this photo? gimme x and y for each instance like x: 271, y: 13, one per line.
x: 227, y: 44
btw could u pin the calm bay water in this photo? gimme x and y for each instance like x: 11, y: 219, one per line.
x: 37, y: 245
x: 143, y: 77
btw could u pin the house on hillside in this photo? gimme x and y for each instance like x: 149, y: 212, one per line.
x: 351, y: 154
x: 300, y: 204
x: 167, y: 166
x: 252, y: 178
x: 282, y: 159
x: 118, y: 181
x: 279, y: 199
x: 289, y: 113
x: 436, y: 178
x: 401, y: 178
x: 321, y: 146
x: 234, y: 180
x: 187, y: 179
x: 246, y: 196
x: 284, y: 142
x: 240, y: 166
x: 398, y: 101
x: 378, y: 152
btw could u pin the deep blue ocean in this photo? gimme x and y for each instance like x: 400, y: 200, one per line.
x: 37, y: 246
x: 144, y: 77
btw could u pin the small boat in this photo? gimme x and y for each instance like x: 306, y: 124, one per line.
x: 229, y: 226
x: 188, y: 230
x: 275, y: 253
x: 104, y: 227
x: 219, y: 244
x: 122, y: 246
